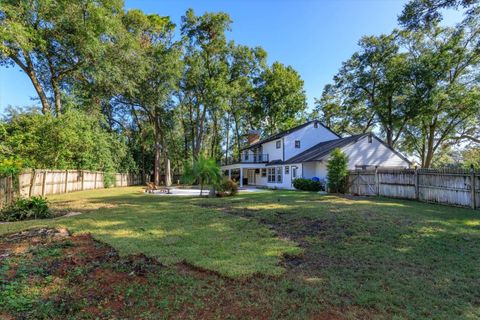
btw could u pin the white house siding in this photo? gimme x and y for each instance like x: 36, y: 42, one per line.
x: 308, y: 137
x: 375, y: 153
x: 270, y: 148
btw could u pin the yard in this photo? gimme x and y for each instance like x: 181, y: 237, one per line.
x: 266, y: 255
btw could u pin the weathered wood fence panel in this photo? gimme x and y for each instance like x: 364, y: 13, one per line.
x: 47, y: 182
x: 444, y: 186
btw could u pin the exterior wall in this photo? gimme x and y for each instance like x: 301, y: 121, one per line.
x: 376, y: 154
x: 270, y: 148
x: 308, y: 136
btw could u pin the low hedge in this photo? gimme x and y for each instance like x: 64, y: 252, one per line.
x: 308, y: 185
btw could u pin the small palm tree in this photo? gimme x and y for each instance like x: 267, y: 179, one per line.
x: 204, y: 171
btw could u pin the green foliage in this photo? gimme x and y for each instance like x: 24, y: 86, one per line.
x: 26, y: 209
x: 281, y: 99
x: 74, y: 141
x: 204, y: 171
x: 308, y: 185
x: 337, y: 167
x: 10, y: 166
x: 57, y: 42
x: 227, y: 187
x: 414, y: 87
x: 109, y: 179
x: 471, y: 157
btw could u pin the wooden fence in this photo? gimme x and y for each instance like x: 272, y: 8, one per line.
x: 445, y: 186
x: 47, y: 182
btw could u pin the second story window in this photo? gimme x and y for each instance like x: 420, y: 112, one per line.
x: 279, y: 144
x: 297, y: 144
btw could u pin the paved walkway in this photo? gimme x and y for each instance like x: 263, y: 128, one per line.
x: 196, y: 192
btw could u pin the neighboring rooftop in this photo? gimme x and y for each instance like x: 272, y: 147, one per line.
x: 284, y: 133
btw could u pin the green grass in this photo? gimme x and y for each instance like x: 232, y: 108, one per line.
x: 171, y: 230
x: 362, y: 258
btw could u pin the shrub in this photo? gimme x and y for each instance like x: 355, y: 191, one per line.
x: 109, y: 179
x: 227, y: 187
x: 337, y: 171
x: 26, y: 209
x: 308, y: 184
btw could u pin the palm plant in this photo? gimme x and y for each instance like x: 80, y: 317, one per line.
x: 204, y: 171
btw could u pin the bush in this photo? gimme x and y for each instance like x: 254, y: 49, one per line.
x: 227, y: 187
x: 308, y: 185
x: 26, y: 209
x: 337, y: 167
x: 109, y: 179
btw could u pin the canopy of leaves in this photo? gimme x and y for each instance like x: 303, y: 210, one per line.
x: 74, y: 141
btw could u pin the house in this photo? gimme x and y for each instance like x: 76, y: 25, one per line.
x: 303, y: 152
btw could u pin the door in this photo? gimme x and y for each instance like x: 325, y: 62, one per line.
x: 251, y: 176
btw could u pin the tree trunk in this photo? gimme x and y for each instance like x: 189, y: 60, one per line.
x: 227, y: 136
x: 168, y: 173
x: 156, y: 164
x: 58, y: 97
x: 29, y: 70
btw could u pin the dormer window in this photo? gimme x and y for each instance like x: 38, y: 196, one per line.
x: 297, y: 144
x: 279, y: 144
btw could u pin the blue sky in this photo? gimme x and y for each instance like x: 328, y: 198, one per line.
x: 313, y: 36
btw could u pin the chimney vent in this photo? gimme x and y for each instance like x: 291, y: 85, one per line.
x: 253, y: 136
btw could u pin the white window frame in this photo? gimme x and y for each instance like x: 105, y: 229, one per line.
x: 287, y: 169
x: 278, y: 144
x: 279, y: 173
x: 271, y: 175
x: 264, y: 172
x: 294, y: 172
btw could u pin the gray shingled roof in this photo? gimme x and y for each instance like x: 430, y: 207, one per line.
x: 322, y: 149
x: 284, y: 133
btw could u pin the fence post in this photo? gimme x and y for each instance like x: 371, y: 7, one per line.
x: 44, y: 182
x: 82, y: 172
x: 66, y: 181
x: 417, y: 193
x: 377, y: 186
x: 473, y: 182
x: 32, y: 183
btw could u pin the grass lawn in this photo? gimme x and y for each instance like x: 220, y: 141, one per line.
x: 267, y: 255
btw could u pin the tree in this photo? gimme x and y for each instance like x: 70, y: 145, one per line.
x: 74, y: 141
x: 51, y: 41
x: 369, y: 91
x: 280, y: 99
x: 418, y: 14
x: 444, y: 68
x: 337, y: 171
x: 471, y: 157
x: 153, y: 99
x: 204, y: 171
x: 203, y: 88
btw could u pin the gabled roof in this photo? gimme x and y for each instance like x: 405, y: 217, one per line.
x: 284, y: 133
x: 323, y: 149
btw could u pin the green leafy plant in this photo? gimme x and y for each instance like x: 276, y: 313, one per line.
x: 227, y: 187
x: 10, y: 166
x: 26, y: 209
x: 337, y: 167
x: 203, y: 171
x: 109, y: 179
x: 308, y: 185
